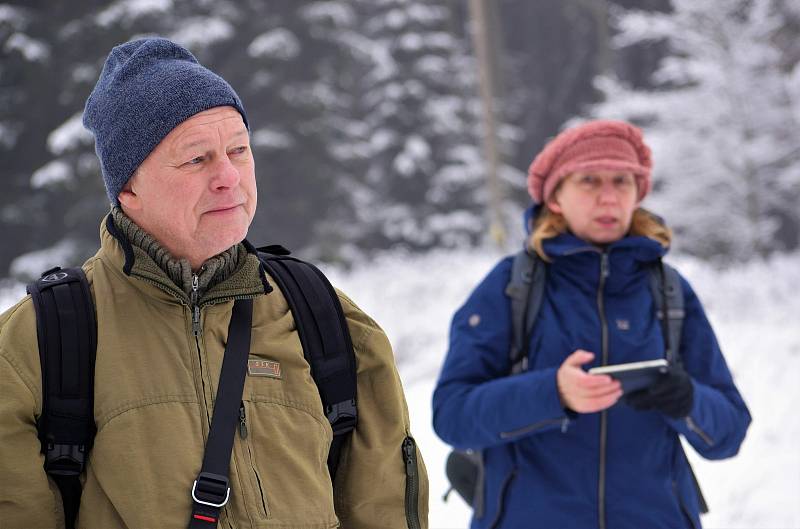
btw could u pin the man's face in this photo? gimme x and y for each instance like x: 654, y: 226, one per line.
x: 196, y: 192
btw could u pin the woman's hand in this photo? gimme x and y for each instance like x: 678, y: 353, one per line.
x: 582, y: 392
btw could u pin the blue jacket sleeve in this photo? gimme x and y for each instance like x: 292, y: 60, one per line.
x: 476, y: 404
x: 719, y: 419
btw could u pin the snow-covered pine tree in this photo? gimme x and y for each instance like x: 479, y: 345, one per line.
x: 721, y: 123
x: 421, y: 182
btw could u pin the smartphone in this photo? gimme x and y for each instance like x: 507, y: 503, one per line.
x: 634, y: 375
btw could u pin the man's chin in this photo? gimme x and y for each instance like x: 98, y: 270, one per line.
x: 221, y: 241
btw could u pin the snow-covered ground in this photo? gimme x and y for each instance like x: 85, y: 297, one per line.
x: 754, y: 308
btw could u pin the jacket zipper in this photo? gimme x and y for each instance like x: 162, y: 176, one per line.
x: 498, y: 516
x: 195, y: 307
x: 412, y: 483
x: 601, y: 483
x: 696, y: 429
x: 535, y: 426
x: 243, y: 436
x: 196, y: 331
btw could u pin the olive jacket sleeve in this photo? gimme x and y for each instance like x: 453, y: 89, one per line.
x: 381, y: 480
x: 28, y: 498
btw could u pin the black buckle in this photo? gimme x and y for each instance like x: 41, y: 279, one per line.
x: 211, y: 489
x: 64, y: 459
x: 342, y: 416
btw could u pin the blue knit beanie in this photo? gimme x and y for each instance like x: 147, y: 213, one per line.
x: 147, y: 88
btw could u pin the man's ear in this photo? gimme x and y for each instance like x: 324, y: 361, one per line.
x: 128, y: 198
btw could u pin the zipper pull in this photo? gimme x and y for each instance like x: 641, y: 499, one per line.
x: 195, y: 306
x: 604, y: 272
x: 196, y: 320
x: 242, y: 422
x: 409, y: 455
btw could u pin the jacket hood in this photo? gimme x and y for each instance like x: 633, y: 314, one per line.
x: 529, y: 215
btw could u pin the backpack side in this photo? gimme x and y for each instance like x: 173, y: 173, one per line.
x: 66, y: 332
x: 325, y: 338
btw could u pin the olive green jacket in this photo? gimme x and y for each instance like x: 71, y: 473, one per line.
x: 155, y: 383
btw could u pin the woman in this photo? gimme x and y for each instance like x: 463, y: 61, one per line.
x: 563, y: 448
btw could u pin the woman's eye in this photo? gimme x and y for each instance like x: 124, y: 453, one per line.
x: 623, y: 181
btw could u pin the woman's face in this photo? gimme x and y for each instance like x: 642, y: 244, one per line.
x: 598, y: 206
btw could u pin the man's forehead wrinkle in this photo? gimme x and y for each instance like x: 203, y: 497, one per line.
x: 193, y: 137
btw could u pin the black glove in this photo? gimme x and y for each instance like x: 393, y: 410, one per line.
x: 672, y: 394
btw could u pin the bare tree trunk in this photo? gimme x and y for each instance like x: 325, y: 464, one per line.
x: 480, y: 34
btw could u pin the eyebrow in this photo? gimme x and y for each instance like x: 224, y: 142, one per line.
x: 192, y: 144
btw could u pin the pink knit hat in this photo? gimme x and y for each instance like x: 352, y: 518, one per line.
x: 601, y: 145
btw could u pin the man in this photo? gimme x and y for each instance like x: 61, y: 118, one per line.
x: 173, y: 142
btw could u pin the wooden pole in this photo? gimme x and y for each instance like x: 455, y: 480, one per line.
x: 480, y: 33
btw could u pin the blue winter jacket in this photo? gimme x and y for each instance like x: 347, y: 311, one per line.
x: 549, y: 468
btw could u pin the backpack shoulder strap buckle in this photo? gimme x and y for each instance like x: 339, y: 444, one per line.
x: 211, y: 489
x: 342, y: 416
x: 64, y: 459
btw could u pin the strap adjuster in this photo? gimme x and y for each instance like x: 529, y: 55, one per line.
x: 343, y: 416
x: 64, y: 459
x: 211, y: 489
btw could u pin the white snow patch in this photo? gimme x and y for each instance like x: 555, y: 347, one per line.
x: 10, y: 293
x: 69, y: 135
x: 410, y: 42
x: 33, y: 50
x: 201, y: 32
x: 32, y: 263
x: 12, y: 16
x: 415, y: 152
x: 278, y: 43
x: 130, y: 10
x: 338, y: 13
x: 52, y: 173
x: 272, y: 139
x: 8, y: 135
x: 395, y: 18
x: 382, y: 139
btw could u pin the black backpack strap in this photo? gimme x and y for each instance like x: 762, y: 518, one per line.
x: 211, y: 490
x: 665, y: 285
x: 526, y: 290
x: 67, y: 336
x: 326, y: 342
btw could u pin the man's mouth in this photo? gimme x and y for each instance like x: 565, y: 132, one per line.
x: 223, y: 209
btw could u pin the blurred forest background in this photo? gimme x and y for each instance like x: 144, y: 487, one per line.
x: 379, y: 124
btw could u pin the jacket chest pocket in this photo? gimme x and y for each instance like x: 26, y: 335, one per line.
x: 283, y: 450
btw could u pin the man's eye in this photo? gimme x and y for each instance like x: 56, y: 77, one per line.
x: 195, y: 161
x: 239, y: 150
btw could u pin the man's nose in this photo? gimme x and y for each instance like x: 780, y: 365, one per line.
x: 225, y: 173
